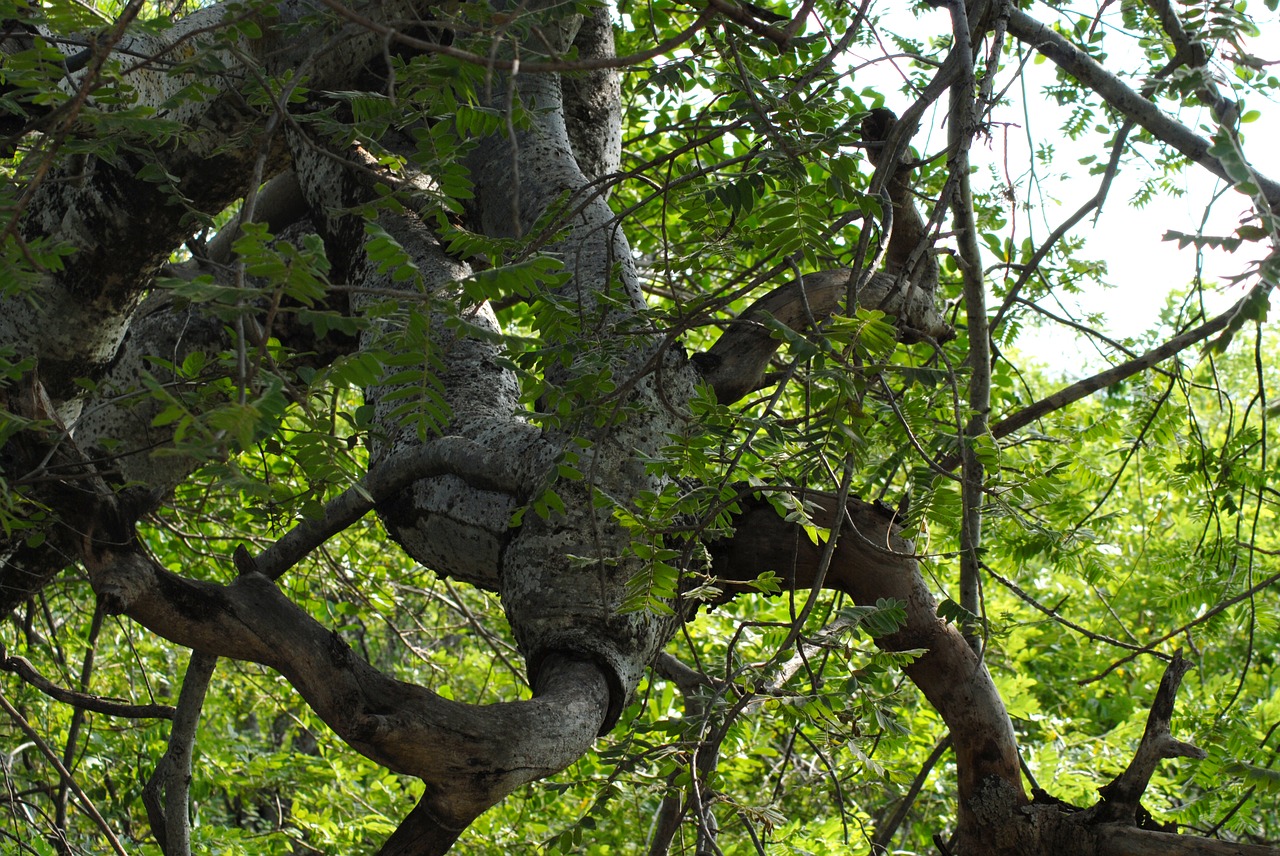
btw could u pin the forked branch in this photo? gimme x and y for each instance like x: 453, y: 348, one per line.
x: 1120, y: 798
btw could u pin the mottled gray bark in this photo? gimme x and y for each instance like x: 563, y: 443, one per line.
x: 445, y: 522
x: 115, y: 220
x: 593, y: 102
x: 562, y: 575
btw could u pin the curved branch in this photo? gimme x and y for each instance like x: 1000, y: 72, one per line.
x: 21, y: 667
x: 909, y: 231
x: 872, y: 561
x: 469, y: 756
x: 562, y: 582
x: 279, y: 204
x: 735, y: 365
x: 454, y: 456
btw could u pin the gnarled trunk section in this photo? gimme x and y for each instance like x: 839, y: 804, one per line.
x: 461, y: 473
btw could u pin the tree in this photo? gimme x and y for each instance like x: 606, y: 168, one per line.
x: 271, y: 266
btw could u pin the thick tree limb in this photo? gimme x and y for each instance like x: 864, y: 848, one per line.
x: 872, y: 561
x: 909, y: 251
x: 735, y: 365
x: 420, y: 834
x: 453, y: 455
x: 584, y: 654
x: 469, y: 756
x: 441, y: 521
x: 78, y: 205
x: 115, y: 433
x: 279, y: 204
x: 564, y: 577
x: 593, y: 99
x: 1120, y: 840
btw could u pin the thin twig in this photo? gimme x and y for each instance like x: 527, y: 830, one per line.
x: 49, y: 754
x: 1226, y: 604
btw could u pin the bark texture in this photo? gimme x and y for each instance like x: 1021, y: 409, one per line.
x: 459, y: 471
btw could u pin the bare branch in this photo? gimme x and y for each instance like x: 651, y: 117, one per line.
x: 1102, y: 380
x: 21, y: 667
x: 166, y: 794
x: 1120, y: 798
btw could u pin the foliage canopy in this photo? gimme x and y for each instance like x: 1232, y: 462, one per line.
x: 242, y: 173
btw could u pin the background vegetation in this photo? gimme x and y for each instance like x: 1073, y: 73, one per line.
x: 1134, y: 523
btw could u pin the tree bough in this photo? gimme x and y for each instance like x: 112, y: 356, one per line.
x: 402, y: 167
